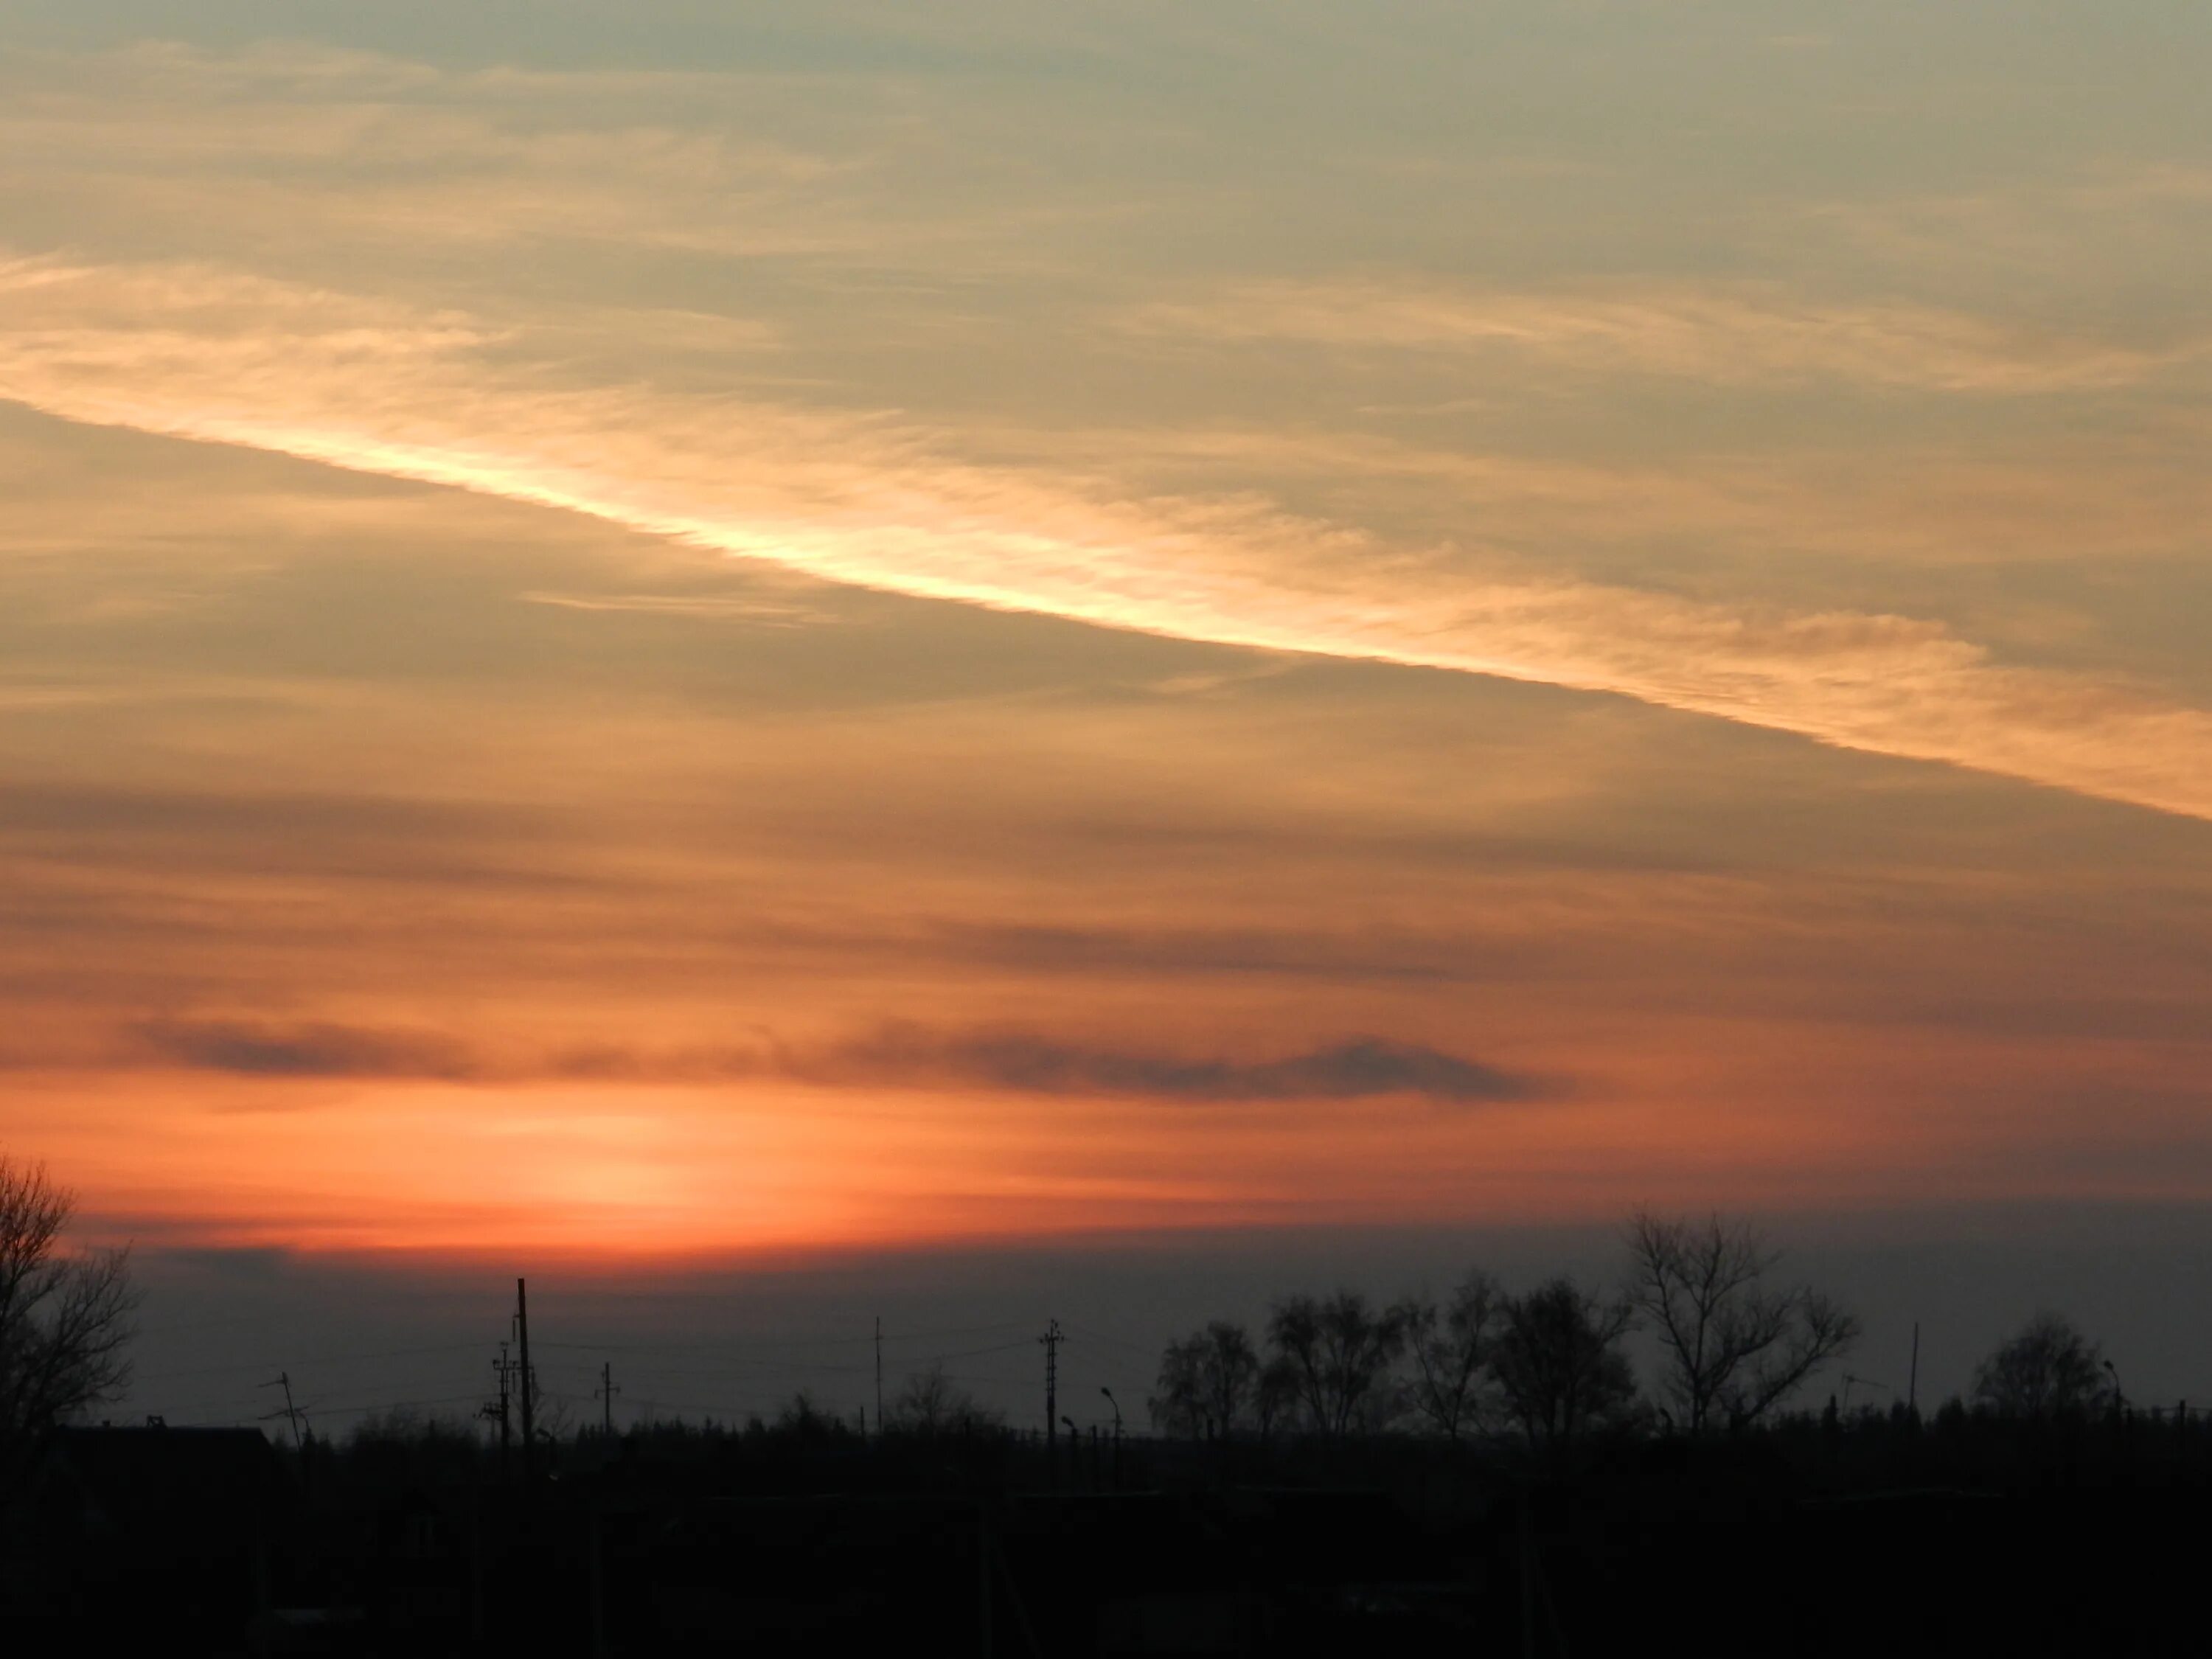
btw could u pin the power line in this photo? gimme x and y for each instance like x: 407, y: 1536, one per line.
x: 390, y: 1405
x: 752, y: 1405
x: 1088, y: 1334
x: 318, y: 1408
x: 753, y: 1374
x: 773, y: 1368
x: 649, y: 1345
x: 291, y: 1413
x: 787, y: 1368
x: 308, y: 1359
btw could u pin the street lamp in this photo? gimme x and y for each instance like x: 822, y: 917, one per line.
x: 1116, y: 1405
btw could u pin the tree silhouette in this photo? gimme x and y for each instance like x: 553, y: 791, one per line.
x: 1557, y: 1360
x: 1207, y: 1381
x: 803, y: 1418
x: 1732, y: 1347
x: 2047, y: 1368
x: 1275, y: 1396
x: 1450, y: 1388
x: 1339, y: 1350
x: 65, y: 1318
x: 932, y: 1403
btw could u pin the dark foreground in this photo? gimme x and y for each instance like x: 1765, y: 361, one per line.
x: 1886, y: 1536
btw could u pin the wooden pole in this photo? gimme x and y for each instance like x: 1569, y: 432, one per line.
x: 529, y: 1393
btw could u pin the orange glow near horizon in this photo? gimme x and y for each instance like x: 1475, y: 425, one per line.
x: 603, y: 1176
x: 690, y: 658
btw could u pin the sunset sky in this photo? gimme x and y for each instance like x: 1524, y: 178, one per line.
x: 1196, y: 641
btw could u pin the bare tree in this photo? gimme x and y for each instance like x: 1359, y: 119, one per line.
x: 555, y: 1417
x: 1206, y: 1381
x: 803, y: 1417
x: 1340, y: 1351
x: 1558, y: 1363
x: 1450, y: 1388
x: 1275, y: 1397
x: 1178, y: 1405
x: 65, y: 1318
x: 1733, y: 1348
x: 1229, y: 1373
x: 2047, y: 1368
x: 932, y: 1403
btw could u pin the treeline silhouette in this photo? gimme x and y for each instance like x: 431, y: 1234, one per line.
x: 1548, y: 1367
x: 1483, y: 1470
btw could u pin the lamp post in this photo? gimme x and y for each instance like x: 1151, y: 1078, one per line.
x: 1116, y: 1405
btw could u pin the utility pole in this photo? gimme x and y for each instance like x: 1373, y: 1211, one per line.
x: 607, y: 1392
x: 879, y: 1376
x: 529, y: 1390
x: 1913, y: 1382
x: 1051, y: 1339
x: 497, y: 1410
x: 283, y: 1380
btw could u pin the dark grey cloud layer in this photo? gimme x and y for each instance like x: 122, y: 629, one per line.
x: 312, y: 1049
x: 1355, y: 1068
x: 893, y: 1056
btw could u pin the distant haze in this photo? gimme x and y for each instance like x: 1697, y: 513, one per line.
x: 733, y: 1339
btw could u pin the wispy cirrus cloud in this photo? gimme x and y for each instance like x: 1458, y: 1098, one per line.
x: 1729, y: 335
x: 715, y: 607
x: 1929, y: 507
x: 382, y: 156
x: 209, y: 354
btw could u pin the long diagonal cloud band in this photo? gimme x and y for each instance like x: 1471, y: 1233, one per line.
x: 205, y: 354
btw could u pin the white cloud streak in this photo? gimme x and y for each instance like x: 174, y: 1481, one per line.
x: 201, y: 353
x: 1726, y: 336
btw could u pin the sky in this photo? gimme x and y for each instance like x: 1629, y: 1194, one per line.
x: 990, y: 661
